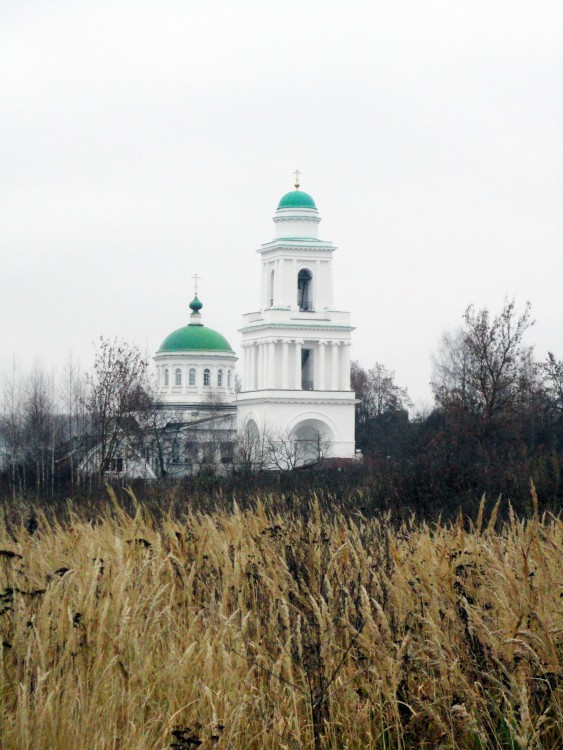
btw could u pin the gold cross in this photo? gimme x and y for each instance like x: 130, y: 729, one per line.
x: 196, y: 278
x: 297, y: 173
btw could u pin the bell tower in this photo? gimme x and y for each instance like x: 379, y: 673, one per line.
x: 296, y: 347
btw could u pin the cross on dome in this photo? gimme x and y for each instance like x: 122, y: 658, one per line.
x: 297, y: 183
x: 195, y: 304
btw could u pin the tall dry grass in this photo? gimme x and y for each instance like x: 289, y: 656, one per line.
x: 253, y: 630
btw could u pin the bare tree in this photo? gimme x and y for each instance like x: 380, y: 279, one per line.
x: 73, y: 400
x: 377, y: 390
x: 382, y: 411
x: 451, y: 366
x: 41, y: 435
x: 552, y: 376
x: 12, y: 427
x: 118, y: 391
x: 485, y: 369
x: 288, y: 451
x: 159, y: 429
x: 153, y: 422
x: 251, y: 449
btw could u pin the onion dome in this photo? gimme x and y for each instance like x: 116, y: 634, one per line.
x: 195, y: 305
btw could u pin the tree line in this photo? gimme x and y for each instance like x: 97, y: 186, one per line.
x: 496, y: 421
x: 49, y: 424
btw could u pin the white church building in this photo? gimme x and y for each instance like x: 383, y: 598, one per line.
x: 294, y: 368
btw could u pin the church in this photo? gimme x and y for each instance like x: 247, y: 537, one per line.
x: 290, y: 403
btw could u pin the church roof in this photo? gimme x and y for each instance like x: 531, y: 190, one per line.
x: 297, y: 199
x: 195, y: 338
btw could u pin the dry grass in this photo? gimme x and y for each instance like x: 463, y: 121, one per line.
x: 247, y: 630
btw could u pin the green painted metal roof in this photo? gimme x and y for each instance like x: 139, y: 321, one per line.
x: 297, y: 199
x: 195, y: 338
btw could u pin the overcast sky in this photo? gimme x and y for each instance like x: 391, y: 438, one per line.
x: 142, y: 142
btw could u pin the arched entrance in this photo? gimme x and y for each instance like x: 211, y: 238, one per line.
x: 312, y: 440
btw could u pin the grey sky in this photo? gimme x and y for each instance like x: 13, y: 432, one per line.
x: 142, y: 142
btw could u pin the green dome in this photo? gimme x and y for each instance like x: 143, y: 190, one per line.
x: 297, y: 199
x: 195, y: 338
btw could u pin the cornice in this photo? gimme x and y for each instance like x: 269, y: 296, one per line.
x: 296, y: 216
x: 205, y: 406
x: 199, y: 358
x: 297, y: 244
x: 298, y: 401
x: 297, y: 327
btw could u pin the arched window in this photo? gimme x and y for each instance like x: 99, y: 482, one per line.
x: 219, y: 378
x: 305, y: 290
x: 207, y: 376
x: 178, y: 377
x: 228, y: 378
x: 272, y: 288
x: 191, y: 376
x: 166, y: 377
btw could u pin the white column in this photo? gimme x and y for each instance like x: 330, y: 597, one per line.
x: 260, y: 357
x: 345, y: 366
x: 253, y: 353
x: 277, y: 288
x: 325, y: 301
x: 243, y: 367
x: 272, y: 363
x: 265, y: 282
x: 285, y: 366
x: 246, y: 371
x: 297, y: 366
x: 282, y: 282
x: 320, y: 380
x: 328, y: 282
x: 264, y: 369
x: 334, y: 366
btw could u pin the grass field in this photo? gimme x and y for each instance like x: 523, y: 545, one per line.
x: 260, y: 630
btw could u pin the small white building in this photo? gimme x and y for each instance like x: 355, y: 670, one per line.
x: 296, y: 346
x: 195, y: 375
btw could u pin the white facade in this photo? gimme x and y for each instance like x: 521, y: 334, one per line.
x: 185, y: 378
x: 295, y: 362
